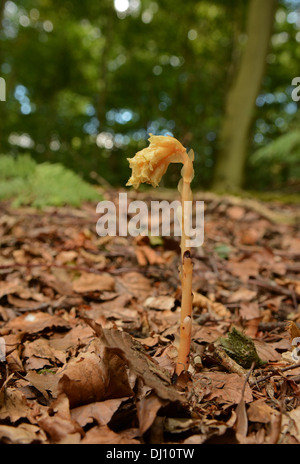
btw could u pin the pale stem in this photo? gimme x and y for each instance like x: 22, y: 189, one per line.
x: 186, y: 271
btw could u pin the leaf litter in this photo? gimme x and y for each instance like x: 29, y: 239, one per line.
x: 89, y: 331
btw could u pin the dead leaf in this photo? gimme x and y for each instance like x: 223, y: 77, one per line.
x: 266, y: 352
x: 235, y: 212
x: 56, y: 421
x: 290, y: 424
x: 206, y: 334
x: 40, y: 353
x: 243, y: 269
x: 161, y: 303
x: 135, y: 284
x: 103, y: 435
x: 6, y: 288
x: 138, y: 361
x: 227, y: 387
x: 89, y: 282
x: 36, y: 322
x: 14, y: 405
x: 101, y: 412
x: 146, y: 255
x: 23, y: 434
x: 218, y: 310
x: 241, y: 421
x: 259, y: 411
x: 93, y: 376
x: 147, y: 409
x: 249, y: 311
x: 45, y: 382
x: 242, y: 294
x: 293, y: 330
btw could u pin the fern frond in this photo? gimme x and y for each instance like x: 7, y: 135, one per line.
x: 40, y: 185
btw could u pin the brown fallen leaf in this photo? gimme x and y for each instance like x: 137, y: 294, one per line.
x: 6, y: 288
x: 66, y: 256
x: 218, y: 310
x: 292, y: 330
x: 266, y: 352
x: 276, y: 428
x: 138, y: 361
x: 89, y: 282
x: 62, y: 287
x: 94, y: 375
x: 135, y: 284
x: 147, y: 409
x: 249, y: 311
x: 242, y: 294
x: 15, y: 406
x: 102, y: 435
x: 260, y: 411
x: 235, y: 212
x: 243, y: 269
x: 11, y: 344
x: 252, y: 235
x: 146, y: 255
x: 140, y: 256
x: 23, y: 434
x: 116, y: 309
x: 252, y: 327
x: 160, y: 303
x: 36, y: 322
x: 39, y: 353
x: 78, y: 335
x: 101, y: 412
x: 290, y: 424
x: 56, y: 421
x: 26, y: 305
x: 227, y: 387
x: 206, y: 334
x: 45, y: 382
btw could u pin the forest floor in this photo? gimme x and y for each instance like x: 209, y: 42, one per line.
x: 89, y: 329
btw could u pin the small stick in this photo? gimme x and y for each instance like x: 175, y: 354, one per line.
x: 275, y: 372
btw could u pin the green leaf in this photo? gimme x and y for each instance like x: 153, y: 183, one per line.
x: 40, y: 185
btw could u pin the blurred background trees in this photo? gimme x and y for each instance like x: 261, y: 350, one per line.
x: 88, y: 81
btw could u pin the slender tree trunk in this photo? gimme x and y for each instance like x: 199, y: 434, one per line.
x: 233, y: 145
x: 2, y: 104
x: 2, y: 5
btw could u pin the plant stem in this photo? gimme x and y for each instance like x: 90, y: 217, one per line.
x: 186, y: 267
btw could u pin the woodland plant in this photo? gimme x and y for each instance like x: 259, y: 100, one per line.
x: 148, y: 166
x: 40, y: 185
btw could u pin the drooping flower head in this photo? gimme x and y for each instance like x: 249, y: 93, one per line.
x: 150, y: 164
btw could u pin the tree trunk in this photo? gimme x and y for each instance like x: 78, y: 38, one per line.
x: 2, y: 5
x: 2, y: 104
x: 233, y: 145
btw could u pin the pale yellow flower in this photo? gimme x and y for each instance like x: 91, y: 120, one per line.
x: 150, y: 164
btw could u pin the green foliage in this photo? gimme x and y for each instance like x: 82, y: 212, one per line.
x: 281, y: 158
x: 20, y: 167
x: 222, y: 250
x: 285, y: 149
x: 40, y: 185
